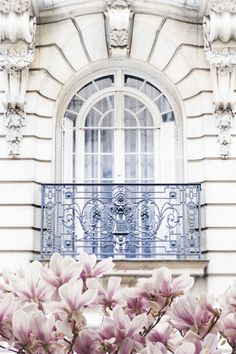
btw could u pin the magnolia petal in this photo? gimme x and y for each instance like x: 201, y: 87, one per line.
x: 50, y: 278
x: 87, y: 262
x: 158, y: 348
x: 93, y: 283
x: 126, y: 346
x: 121, y: 320
x: 162, y: 278
x: 113, y: 286
x: 56, y: 264
x: 186, y: 348
x: 183, y: 282
x: 103, y: 266
x: 6, y: 306
x: 55, y: 307
x: 20, y: 326
x: 211, y: 341
x: 137, y: 324
x: 86, y: 299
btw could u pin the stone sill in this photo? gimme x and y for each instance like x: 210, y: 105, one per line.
x: 144, y: 268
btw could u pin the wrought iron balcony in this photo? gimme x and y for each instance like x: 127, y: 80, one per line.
x: 129, y: 221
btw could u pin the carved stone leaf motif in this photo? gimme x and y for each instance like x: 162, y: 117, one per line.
x: 5, y: 6
x: 15, y: 118
x: 118, y: 4
x: 119, y: 38
x: 224, y: 119
x: 14, y: 121
x: 18, y: 6
x: 21, y: 5
x: 222, y: 57
x: 16, y: 63
x: 223, y: 6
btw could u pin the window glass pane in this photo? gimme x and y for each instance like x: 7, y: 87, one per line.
x: 108, y: 120
x: 87, y: 90
x: 147, y: 167
x: 106, y: 104
x: 75, y: 104
x: 107, y: 140
x: 91, y: 140
x: 131, y: 140
x: 92, y: 119
x: 163, y: 104
x: 145, y: 118
x: 131, y: 166
x: 147, y: 140
x: 91, y: 166
x: 106, y: 167
x: 105, y: 81
x: 168, y: 117
x: 133, y: 81
x: 150, y: 90
x: 129, y: 120
x: 133, y: 104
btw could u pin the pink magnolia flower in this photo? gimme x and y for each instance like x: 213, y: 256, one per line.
x: 72, y: 300
x: 87, y: 342
x: 188, y: 313
x: 123, y: 332
x: 207, y: 345
x: 160, y: 289
x: 228, y: 299
x: 44, y: 332
x: 92, y: 270
x: 61, y: 270
x: 137, y: 302
x: 7, y: 306
x: 29, y: 286
x: 162, y: 280
x: 21, y: 330
x: 110, y: 297
x: 228, y: 329
x: 165, y: 334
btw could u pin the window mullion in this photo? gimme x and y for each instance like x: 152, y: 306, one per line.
x: 119, y: 139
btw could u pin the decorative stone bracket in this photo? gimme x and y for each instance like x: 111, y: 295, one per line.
x: 220, y: 49
x: 119, y: 25
x: 17, y: 45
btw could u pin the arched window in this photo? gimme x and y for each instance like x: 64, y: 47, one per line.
x: 119, y: 128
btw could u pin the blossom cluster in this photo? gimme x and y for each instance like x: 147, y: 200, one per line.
x: 43, y: 311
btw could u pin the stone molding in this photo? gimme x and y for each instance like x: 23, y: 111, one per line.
x: 17, y: 46
x: 119, y: 25
x: 220, y: 49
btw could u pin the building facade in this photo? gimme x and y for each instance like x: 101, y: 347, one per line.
x: 120, y: 92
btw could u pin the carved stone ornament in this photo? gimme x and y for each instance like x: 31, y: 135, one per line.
x: 118, y: 4
x: 14, y: 121
x: 119, y: 38
x: 19, y: 6
x: 119, y: 25
x: 223, y: 5
x: 220, y: 48
x: 15, y: 57
x: 17, y: 46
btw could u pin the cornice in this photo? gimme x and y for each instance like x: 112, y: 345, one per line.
x: 73, y: 8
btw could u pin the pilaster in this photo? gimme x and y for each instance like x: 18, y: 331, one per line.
x: 220, y: 49
x: 17, y: 46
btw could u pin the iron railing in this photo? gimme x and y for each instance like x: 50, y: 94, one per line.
x: 125, y: 221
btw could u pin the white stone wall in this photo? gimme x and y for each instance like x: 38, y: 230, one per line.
x: 172, y: 50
